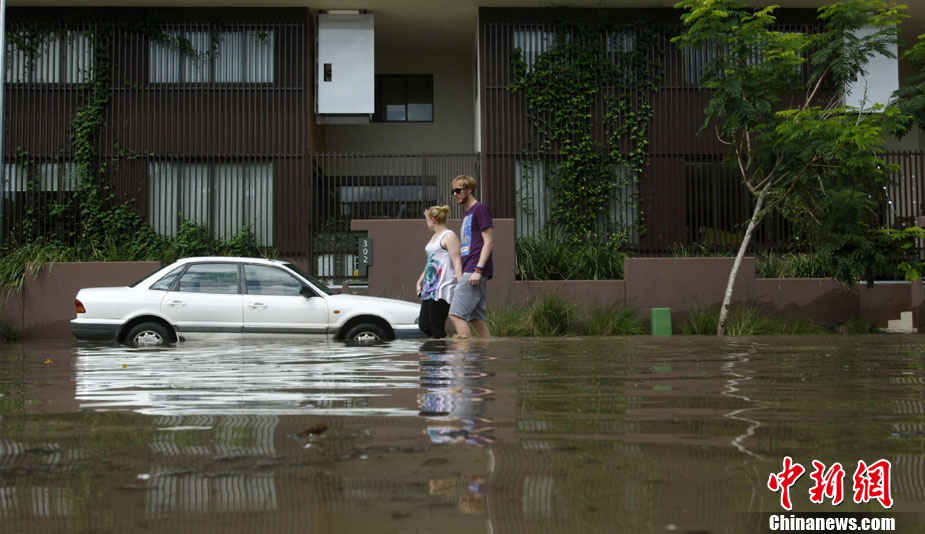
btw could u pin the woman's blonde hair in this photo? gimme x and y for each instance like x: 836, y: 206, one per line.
x: 437, y: 213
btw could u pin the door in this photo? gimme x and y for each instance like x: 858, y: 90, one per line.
x: 274, y: 305
x: 206, y: 302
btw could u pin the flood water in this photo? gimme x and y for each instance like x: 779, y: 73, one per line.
x: 636, y: 434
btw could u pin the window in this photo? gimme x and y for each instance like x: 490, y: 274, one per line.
x: 262, y: 280
x: 38, y: 177
x: 61, y: 58
x: 220, y: 278
x: 535, y: 202
x: 234, y: 57
x: 164, y: 283
x: 404, y: 98
x: 532, y: 43
x: 224, y: 197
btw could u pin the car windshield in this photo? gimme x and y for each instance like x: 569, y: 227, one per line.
x: 319, y: 285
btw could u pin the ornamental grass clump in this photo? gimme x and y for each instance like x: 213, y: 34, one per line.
x: 553, y: 316
x: 614, y: 320
x: 508, y: 320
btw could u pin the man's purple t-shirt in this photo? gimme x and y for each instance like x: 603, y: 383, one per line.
x: 476, y: 219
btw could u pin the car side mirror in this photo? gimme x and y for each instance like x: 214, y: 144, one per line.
x: 306, y: 292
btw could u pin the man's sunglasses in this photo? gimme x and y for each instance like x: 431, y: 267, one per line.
x: 459, y: 190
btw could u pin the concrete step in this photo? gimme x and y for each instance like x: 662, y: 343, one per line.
x: 903, y: 325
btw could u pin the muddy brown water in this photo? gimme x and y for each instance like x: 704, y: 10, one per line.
x: 636, y: 434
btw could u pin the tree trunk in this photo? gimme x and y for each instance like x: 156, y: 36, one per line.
x: 727, y: 297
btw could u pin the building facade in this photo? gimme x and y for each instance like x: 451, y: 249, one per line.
x: 294, y: 120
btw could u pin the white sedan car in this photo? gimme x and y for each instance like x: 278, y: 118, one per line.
x: 208, y: 298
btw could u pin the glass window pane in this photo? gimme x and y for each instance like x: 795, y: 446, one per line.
x: 258, y: 56
x: 258, y: 202
x: 229, y: 57
x: 79, y: 58
x: 392, y: 97
x: 194, y: 193
x: 395, y: 112
x: 163, y: 62
x: 196, y: 67
x: 221, y: 278
x: 420, y: 112
x: 262, y: 280
x: 164, y: 283
x: 162, y: 198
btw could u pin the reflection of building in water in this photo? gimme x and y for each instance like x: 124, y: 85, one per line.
x: 220, y: 435
x: 171, y: 493
x: 908, y: 471
x: 36, y: 501
x: 206, y: 435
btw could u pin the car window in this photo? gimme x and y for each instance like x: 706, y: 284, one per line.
x: 210, y: 278
x: 164, y: 283
x: 264, y: 280
x: 319, y: 285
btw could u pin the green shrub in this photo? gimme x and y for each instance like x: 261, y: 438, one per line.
x: 749, y: 320
x: 552, y: 316
x: 701, y: 321
x: 508, y: 320
x: 144, y: 245
x: 614, y: 320
x: 553, y: 257
x: 9, y: 333
x: 795, y: 265
x: 857, y: 326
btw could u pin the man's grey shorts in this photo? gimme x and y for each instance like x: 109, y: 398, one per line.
x: 468, y: 300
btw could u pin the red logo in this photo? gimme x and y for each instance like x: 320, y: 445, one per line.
x: 871, y: 482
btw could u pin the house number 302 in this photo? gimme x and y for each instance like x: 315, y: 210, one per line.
x: 365, y: 254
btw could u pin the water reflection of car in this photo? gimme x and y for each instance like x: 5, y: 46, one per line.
x: 214, y: 297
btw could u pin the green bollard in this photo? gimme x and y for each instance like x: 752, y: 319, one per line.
x: 661, y: 321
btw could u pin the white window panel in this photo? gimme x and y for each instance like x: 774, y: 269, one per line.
x: 66, y: 58
x: 168, y: 65
x: 534, y: 198
x: 223, y: 197
x: 878, y: 81
x: 229, y: 58
x: 47, y: 176
x: 532, y: 43
x: 78, y: 58
x: 162, y: 205
x: 259, y: 51
x: 239, y: 56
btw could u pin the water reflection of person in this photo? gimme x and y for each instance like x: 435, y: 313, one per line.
x: 452, y: 374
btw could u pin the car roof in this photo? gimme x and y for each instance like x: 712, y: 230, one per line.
x: 237, y: 259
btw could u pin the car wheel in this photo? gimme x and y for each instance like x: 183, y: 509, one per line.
x: 366, y: 333
x: 148, y: 334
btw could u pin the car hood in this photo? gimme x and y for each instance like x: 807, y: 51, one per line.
x: 376, y: 305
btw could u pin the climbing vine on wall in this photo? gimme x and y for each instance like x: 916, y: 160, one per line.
x: 102, y: 223
x: 591, y: 74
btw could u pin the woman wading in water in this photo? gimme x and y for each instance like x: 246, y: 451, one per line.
x: 442, y: 271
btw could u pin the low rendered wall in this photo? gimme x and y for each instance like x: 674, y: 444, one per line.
x: 45, y: 305
x: 676, y: 283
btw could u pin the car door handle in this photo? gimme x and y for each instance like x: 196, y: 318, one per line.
x: 176, y: 304
x: 257, y: 306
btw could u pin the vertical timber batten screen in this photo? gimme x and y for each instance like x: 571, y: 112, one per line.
x: 686, y: 196
x: 375, y: 186
x: 213, y: 133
